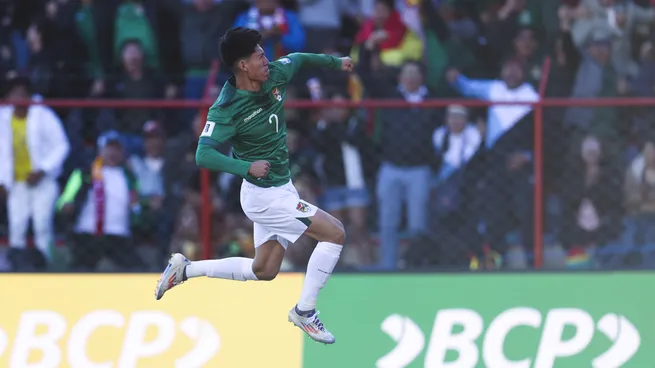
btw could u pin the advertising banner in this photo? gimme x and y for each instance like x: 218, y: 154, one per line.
x: 599, y: 320
x: 114, y: 321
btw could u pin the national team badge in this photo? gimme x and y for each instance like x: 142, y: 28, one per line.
x: 302, y: 207
x: 277, y: 94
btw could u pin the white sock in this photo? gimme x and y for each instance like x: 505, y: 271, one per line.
x: 320, y: 267
x: 235, y: 268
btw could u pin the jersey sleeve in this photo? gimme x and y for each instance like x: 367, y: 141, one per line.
x: 218, y: 128
x: 284, y: 69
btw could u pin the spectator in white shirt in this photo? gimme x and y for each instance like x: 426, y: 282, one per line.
x: 33, y: 148
x: 457, y: 141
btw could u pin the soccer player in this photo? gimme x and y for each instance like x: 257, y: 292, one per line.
x: 249, y: 113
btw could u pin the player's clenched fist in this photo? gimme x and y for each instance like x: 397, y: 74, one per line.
x: 347, y: 64
x: 259, y: 169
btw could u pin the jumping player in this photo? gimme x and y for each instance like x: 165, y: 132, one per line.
x: 249, y: 113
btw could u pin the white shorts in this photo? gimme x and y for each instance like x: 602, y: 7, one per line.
x: 278, y: 212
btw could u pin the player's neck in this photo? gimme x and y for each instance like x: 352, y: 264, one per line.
x: 246, y: 84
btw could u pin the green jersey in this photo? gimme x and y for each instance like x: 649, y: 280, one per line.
x: 254, y: 122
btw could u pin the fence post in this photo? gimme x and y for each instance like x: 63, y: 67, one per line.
x: 205, y: 178
x: 539, y: 167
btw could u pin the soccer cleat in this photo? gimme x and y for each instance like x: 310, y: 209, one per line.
x: 173, y: 275
x: 312, y: 326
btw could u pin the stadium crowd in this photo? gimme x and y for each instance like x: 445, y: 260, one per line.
x: 415, y: 187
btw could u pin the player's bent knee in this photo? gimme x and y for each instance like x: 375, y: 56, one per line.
x: 339, y: 233
x: 265, y: 274
x: 336, y: 233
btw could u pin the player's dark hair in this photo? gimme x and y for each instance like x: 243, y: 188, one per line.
x: 237, y: 44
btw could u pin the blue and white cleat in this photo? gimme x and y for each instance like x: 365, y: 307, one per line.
x: 312, y: 326
x: 173, y: 275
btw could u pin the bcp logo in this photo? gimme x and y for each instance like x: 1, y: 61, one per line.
x: 479, y: 346
x: 113, y: 321
x: 142, y: 336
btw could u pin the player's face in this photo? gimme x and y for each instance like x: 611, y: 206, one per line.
x: 256, y: 66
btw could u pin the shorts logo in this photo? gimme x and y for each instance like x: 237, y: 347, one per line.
x: 302, y: 207
x: 277, y: 94
x: 285, y: 61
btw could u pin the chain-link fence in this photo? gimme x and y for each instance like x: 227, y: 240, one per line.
x: 418, y: 185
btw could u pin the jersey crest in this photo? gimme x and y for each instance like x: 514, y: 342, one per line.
x: 277, y: 94
x: 302, y: 207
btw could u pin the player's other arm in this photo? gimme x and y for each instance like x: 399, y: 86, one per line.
x: 292, y: 63
x: 208, y: 156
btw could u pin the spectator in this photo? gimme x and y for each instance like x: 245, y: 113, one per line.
x: 526, y: 51
x: 87, y: 29
x: 457, y: 141
x: 136, y: 81
x: 386, y: 37
x: 133, y: 24
x: 281, y: 29
x: 644, y: 86
x: 621, y: 20
x: 160, y: 179
x: 33, y: 150
x: 405, y: 172
x: 322, y: 22
x: 8, y: 57
x: 340, y: 139
x: 41, y: 65
x: 639, y: 192
x: 203, y: 23
x: 103, y: 203
x: 301, y: 158
x: 507, y: 153
x: 452, y: 201
x: 595, y: 78
x: 66, y: 49
x: 592, y: 197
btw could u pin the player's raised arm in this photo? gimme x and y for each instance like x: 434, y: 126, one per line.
x: 289, y: 65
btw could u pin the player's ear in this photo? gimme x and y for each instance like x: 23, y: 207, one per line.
x: 243, y: 66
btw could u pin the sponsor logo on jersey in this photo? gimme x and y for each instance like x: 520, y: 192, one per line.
x: 249, y: 117
x: 208, y: 130
x: 285, y: 61
x: 277, y: 94
x: 302, y: 207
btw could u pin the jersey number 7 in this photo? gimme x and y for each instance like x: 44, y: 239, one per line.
x: 272, y: 118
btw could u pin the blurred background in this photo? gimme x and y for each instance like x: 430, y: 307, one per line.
x: 102, y: 177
